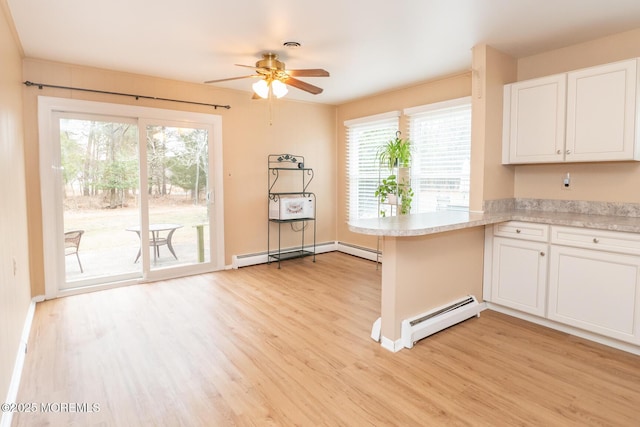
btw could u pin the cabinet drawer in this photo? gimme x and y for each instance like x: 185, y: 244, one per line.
x: 612, y: 241
x: 522, y: 230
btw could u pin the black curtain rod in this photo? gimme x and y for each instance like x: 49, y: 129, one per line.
x: 41, y: 85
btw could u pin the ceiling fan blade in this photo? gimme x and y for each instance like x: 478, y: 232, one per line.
x: 258, y: 69
x: 310, y: 72
x: 246, y: 66
x: 299, y: 84
x: 232, y: 78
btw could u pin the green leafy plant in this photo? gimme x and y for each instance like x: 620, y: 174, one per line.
x: 406, y: 197
x: 386, y: 187
x: 395, y: 153
x: 390, y: 187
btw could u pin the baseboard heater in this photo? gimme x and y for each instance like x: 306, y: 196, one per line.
x: 416, y: 328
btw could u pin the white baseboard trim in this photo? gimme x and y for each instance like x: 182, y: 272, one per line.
x: 261, y: 257
x: 394, y: 346
x: 238, y: 261
x: 610, y: 342
x: 375, y: 330
x: 358, y: 251
x: 12, y: 393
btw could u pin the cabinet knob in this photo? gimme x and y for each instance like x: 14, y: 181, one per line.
x: 568, y: 151
x: 559, y: 152
x: 518, y: 230
x: 541, y: 253
x: 596, y: 240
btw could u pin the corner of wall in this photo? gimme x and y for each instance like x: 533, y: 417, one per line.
x: 490, y: 179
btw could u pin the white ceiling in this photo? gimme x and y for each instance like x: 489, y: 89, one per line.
x: 368, y: 46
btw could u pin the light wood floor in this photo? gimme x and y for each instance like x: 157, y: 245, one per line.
x: 262, y: 346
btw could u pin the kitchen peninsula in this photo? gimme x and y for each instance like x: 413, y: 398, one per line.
x: 431, y: 259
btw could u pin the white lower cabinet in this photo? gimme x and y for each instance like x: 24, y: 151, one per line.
x: 584, y: 278
x: 519, y: 274
x: 596, y: 291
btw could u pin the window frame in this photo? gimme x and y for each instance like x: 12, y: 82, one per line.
x: 359, y: 174
x: 461, y: 199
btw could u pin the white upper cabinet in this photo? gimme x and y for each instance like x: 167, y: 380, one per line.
x: 534, y: 120
x: 586, y: 115
x: 601, y: 113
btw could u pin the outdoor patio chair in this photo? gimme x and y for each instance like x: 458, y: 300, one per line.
x: 72, y: 243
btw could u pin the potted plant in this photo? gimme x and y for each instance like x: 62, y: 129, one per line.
x: 396, y: 189
x: 396, y: 153
x: 387, y: 191
x: 390, y: 192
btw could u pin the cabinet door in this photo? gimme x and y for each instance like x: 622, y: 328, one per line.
x: 596, y: 291
x: 519, y: 275
x: 601, y: 109
x: 537, y: 120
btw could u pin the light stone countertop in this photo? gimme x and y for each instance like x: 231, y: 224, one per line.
x: 442, y: 221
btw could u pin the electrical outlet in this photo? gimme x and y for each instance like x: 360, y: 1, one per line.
x: 566, y: 182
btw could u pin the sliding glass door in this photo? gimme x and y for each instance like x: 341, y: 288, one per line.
x: 177, y: 189
x: 128, y: 199
x: 99, y: 197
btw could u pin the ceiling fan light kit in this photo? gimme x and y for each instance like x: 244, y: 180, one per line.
x: 274, y: 78
x: 279, y: 88
x: 262, y: 87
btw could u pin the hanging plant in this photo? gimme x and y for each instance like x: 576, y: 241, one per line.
x: 406, y: 197
x: 395, y: 153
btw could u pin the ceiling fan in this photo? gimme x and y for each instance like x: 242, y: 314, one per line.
x: 274, y: 78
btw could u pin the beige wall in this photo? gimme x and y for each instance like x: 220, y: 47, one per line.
x: 424, y: 272
x: 251, y: 131
x: 15, y: 295
x: 490, y: 180
x: 451, y: 87
x: 615, y: 182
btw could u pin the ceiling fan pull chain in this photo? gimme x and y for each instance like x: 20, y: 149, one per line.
x: 270, y: 109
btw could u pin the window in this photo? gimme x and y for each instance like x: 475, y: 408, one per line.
x: 364, y: 137
x: 441, y: 138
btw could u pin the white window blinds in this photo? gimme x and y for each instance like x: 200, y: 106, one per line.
x: 440, y: 135
x: 364, y: 138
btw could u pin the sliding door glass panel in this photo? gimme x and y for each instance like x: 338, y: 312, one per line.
x: 100, y: 181
x: 177, y: 191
